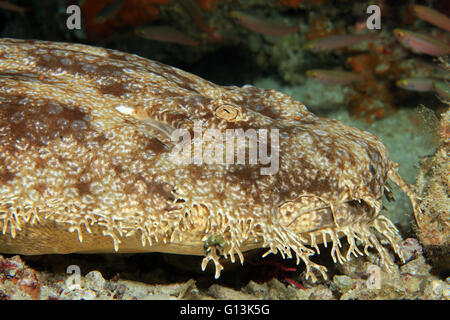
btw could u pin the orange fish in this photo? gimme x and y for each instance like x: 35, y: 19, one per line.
x: 334, y: 76
x: 263, y: 26
x: 432, y: 16
x: 12, y: 7
x: 165, y: 34
x: 336, y: 42
x: 415, y: 84
x: 193, y: 10
x: 421, y: 43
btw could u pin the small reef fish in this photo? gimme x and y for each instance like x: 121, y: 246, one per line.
x: 442, y: 89
x: 263, y: 26
x: 195, y: 13
x: 108, y: 12
x: 432, y: 16
x: 12, y: 7
x: 438, y: 70
x: 166, y: 34
x: 338, y: 41
x: 421, y: 43
x: 415, y: 84
x: 334, y: 76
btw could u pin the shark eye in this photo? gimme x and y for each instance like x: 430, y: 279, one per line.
x: 228, y: 112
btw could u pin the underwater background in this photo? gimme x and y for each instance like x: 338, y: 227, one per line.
x: 376, y: 65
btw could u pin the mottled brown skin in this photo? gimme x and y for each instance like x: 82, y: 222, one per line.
x: 85, y: 164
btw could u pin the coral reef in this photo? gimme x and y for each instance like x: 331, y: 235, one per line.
x: 360, y: 279
x: 17, y: 281
x: 433, y: 184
